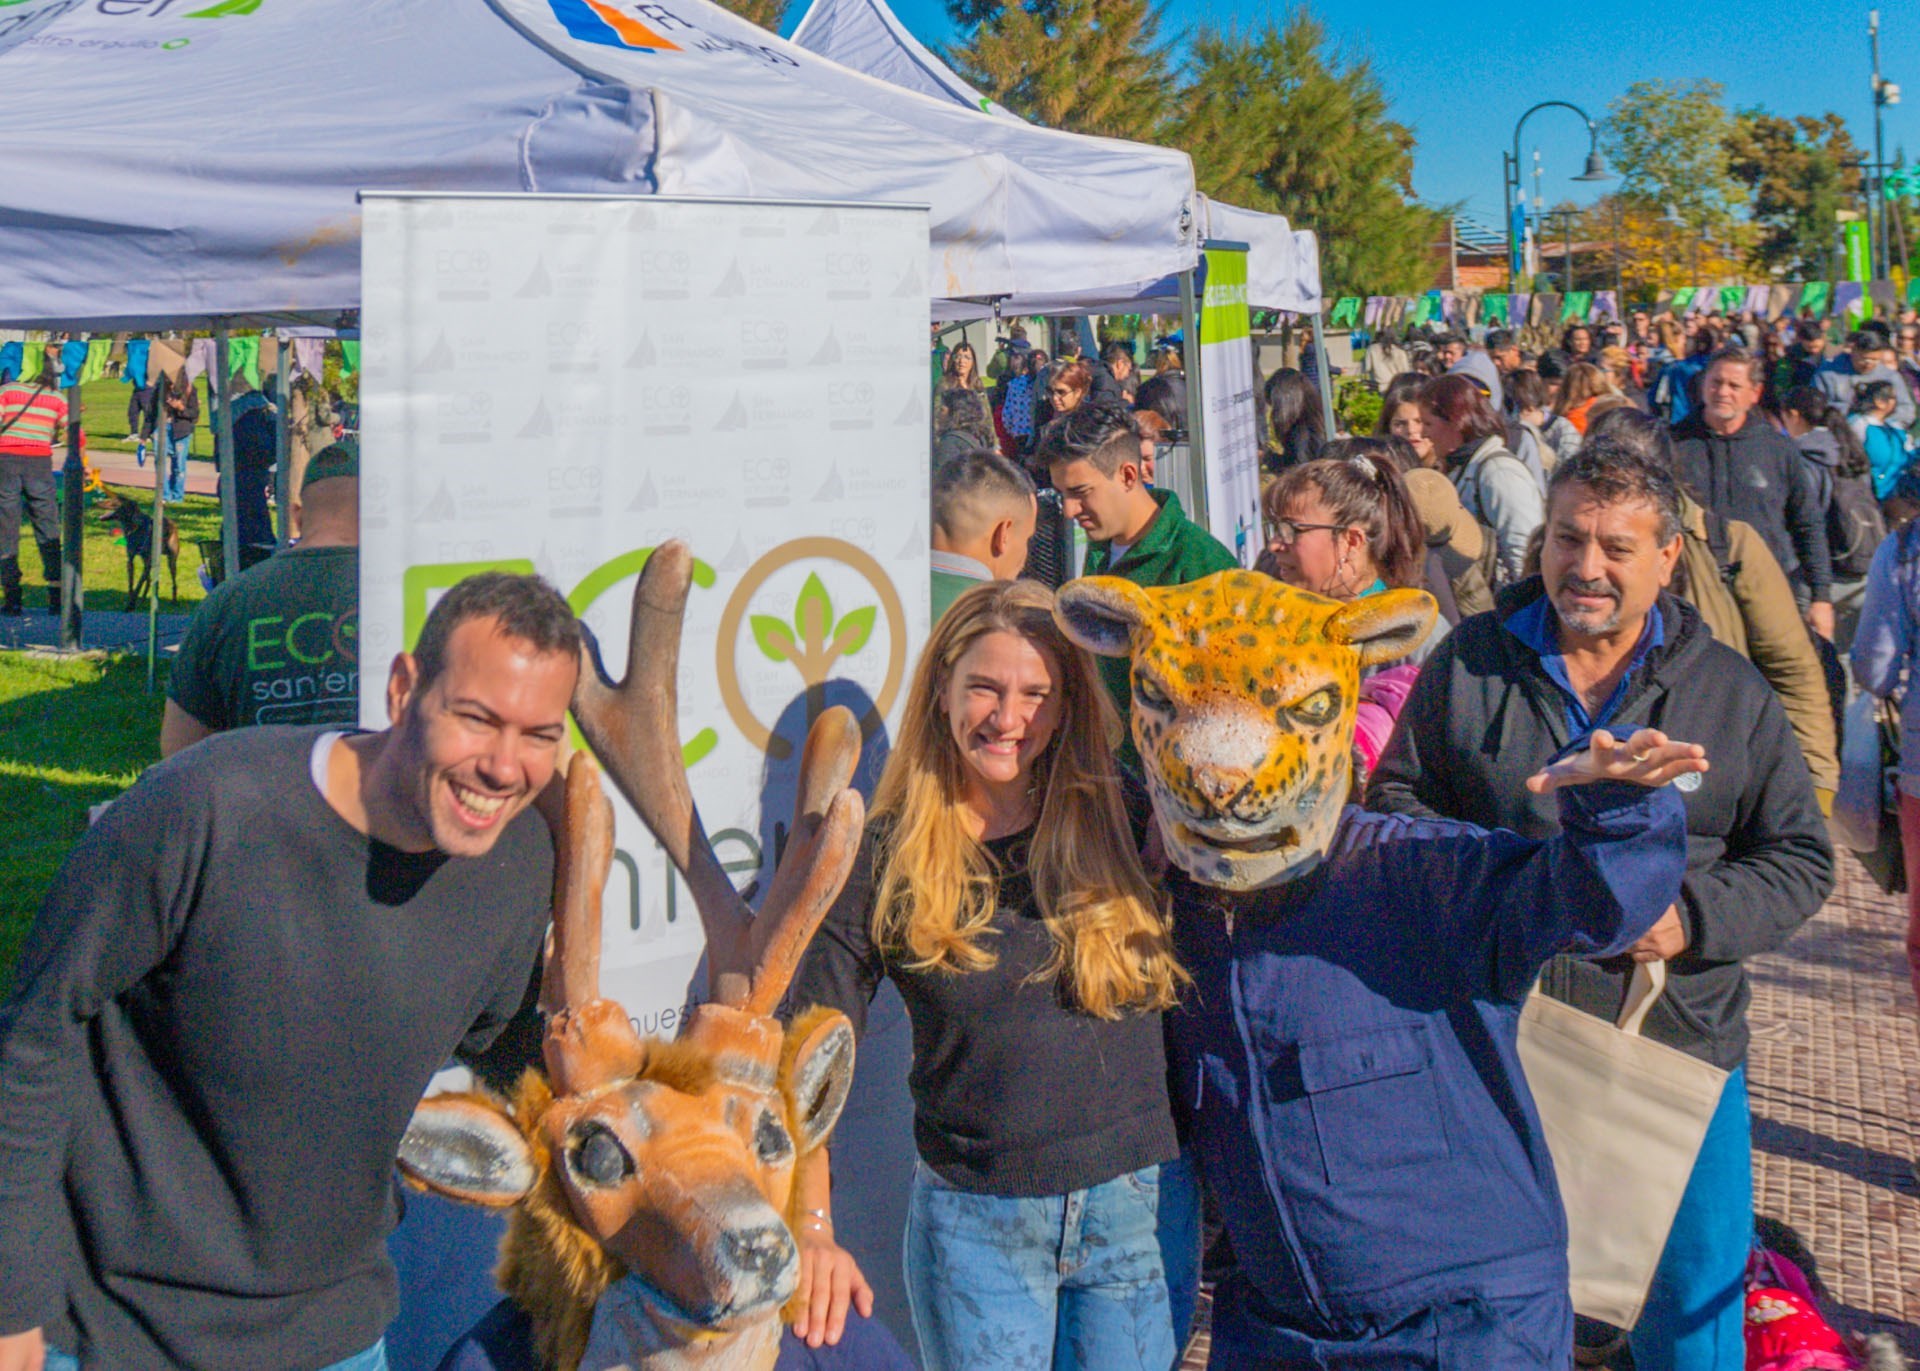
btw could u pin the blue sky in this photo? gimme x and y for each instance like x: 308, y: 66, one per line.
x: 1461, y: 75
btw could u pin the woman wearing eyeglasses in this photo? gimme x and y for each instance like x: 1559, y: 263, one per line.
x: 1346, y: 527
x: 1067, y: 385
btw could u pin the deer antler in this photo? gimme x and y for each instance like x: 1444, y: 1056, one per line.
x: 633, y: 727
x: 589, y: 1041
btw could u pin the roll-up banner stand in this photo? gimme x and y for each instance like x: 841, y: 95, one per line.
x: 1225, y: 403
x: 561, y: 383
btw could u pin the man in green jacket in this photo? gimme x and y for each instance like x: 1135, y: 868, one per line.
x: 1134, y: 530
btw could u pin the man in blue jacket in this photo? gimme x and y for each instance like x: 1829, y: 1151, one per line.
x: 1345, y: 1063
x: 1596, y: 643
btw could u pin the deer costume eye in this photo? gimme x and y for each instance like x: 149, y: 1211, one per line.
x: 770, y: 1140
x: 598, y: 1157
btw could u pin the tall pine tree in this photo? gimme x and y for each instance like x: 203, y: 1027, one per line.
x: 1276, y: 121
x: 1092, y: 66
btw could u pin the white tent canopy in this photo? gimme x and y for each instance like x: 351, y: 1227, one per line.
x: 1283, y: 264
x: 210, y: 163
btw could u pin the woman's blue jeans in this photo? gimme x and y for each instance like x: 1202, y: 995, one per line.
x: 1101, y: 1279
x: 176, y: 467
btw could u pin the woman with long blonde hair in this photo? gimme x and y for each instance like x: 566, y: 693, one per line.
x: 999, y: 886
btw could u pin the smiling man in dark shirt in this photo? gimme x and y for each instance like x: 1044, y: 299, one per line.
x: 237, y: 990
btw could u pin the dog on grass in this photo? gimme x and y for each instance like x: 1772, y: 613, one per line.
x: 136, y: 530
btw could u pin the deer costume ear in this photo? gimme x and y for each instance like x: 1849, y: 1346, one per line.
x: 816, y: 1071
x: 467, y: 1148
x: 1100, y: 613
x: 1384, y: 627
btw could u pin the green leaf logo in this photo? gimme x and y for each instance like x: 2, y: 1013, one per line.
x: 813, y: 611
x: 773, y: 638
x: 852, y: 632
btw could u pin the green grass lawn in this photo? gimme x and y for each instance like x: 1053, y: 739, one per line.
x: 197, y: 517
x: 74, y: 731
x: 103, y: 414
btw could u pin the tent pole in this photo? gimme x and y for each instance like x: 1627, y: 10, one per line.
x: 73, y: 499
x: 162, y: 459
x: 223, y: 458
x: 1323, y: 372
x: 1196, y: 402
x: 283, y: 444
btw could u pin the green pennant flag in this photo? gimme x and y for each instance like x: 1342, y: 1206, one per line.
x: 1427, y: 308
x: 1346, y: 312
x: 1576, y: 307
x: 243, y: 359
x: 1816, y: 296
x: 1913, y: 291
x: 1732, y: 298
x: 33, y: 360
x: 1682, y: 297
x: 1493, y: 310
x: 98, y: 349
x: 349, y: 356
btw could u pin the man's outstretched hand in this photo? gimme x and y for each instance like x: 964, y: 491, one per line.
x: 1647, y: 758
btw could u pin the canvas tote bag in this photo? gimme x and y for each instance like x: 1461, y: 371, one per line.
x: 1624, y: 1118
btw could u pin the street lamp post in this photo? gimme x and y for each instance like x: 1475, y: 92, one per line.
x: 1885, y: 93
x: 1596, y: 170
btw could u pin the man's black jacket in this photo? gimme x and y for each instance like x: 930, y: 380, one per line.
x: 1757, y: 475
x: 1484, y: 715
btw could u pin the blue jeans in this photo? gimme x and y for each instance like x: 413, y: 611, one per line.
x: 373, y: 1359
x: 176, y: 471
x: 1054, y: 1283
x: 1692, y: 1321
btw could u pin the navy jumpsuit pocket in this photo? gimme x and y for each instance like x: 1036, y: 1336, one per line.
x: 1374, y: 1101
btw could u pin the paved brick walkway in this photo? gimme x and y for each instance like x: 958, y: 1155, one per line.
x: 1835, y: 1071
x: 1835, y: 1078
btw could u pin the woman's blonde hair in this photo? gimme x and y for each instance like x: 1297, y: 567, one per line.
x: 1584, y: 381
x: 938, y: 885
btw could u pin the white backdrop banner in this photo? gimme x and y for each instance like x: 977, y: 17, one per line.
x: 1232, y: 422
x: 560, y: 384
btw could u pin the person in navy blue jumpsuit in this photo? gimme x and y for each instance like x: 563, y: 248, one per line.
x: 1345, y: 1063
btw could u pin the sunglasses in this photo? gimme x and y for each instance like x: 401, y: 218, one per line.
x: 1286, y: 532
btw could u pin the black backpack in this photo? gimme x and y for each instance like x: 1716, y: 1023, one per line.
x: 1855, y: 527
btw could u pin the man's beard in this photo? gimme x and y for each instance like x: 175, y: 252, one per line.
x: 1584, y: 621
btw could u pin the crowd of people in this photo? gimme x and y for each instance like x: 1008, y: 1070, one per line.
x: 1609, y: 518
x: 1606, y: 741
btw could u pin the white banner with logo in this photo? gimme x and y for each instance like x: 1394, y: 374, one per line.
x: 560, y: 384
x: 1232, y: 421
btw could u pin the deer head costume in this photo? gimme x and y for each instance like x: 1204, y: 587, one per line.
x: 665, y: 1167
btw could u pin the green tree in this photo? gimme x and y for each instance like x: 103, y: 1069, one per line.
x: 1668, y: 144
x: 766, y: 13
x: 1797, y: 172
x: 1275, y: 120
x: 1092, y: 66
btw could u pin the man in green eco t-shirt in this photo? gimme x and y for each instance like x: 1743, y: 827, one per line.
x: 279, y: 643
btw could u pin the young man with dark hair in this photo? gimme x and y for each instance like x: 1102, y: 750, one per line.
x: 238, y: 988
x: 1596, y: 643
x: 1741, y: 467
x: 984, y: 513
x: 1117, y: 357
x: 1504, y: 349
x: 1134, y: 530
